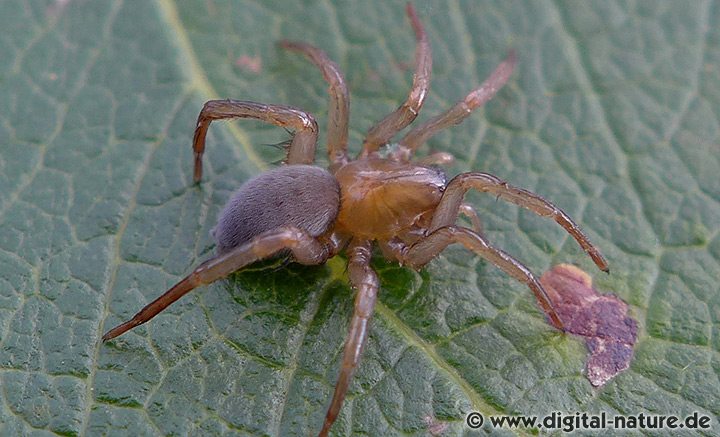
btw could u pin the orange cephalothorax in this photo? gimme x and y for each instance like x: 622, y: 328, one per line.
x: 379, y: 198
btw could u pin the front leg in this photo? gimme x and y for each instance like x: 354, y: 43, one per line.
x: 427, y: 248
x: 447, y: 211
x: 460, y: 111
x: 385, y: 129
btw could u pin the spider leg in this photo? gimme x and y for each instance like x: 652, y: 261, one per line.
x: 469, y: 212
x: 302, y: 147
x: 447, y: 211
x: 385, y: 129
x: 339, y: 111
x: 304, y: 248
x: 462, y: 109
x: 429, y: 247
x: 365, y: 281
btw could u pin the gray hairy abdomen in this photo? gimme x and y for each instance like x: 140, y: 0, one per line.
x: 303, y: 196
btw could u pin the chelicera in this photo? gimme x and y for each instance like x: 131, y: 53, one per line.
x: 384, y: 197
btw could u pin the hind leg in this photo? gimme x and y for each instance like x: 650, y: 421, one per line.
x: 304, y: 248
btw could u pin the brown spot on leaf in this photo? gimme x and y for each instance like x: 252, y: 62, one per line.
x: 602, y: 319
x: 434, y: 426
x: 252, y: 64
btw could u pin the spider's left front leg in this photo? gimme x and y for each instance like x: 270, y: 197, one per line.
x: 365, y: 281
x: 427, y: 248
x: 447, y: 211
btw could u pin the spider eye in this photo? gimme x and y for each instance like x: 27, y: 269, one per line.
x: 440, y: 172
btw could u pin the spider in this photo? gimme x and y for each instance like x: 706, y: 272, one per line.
x: 382, y: 197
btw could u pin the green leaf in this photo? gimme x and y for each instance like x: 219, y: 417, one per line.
x: 612, y: 113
